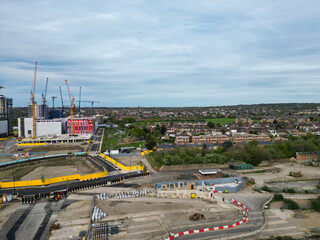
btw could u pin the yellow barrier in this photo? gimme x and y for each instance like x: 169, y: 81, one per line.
x: 52, y: 180
x: 146, y: 152
x: 127, y: 168
x: 1, y: 200
x: 1, y: 139
x: 31, y: 144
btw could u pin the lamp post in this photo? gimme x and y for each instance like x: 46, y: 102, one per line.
x: 14, y: 183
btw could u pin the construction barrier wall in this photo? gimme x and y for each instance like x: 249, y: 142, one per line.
x: 30, y: 144
x: 25, y: 160
x: 52, y: 180
x: 146, y: 152
x: 127, y: 168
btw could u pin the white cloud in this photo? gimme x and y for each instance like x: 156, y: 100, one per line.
x: 130, y: 53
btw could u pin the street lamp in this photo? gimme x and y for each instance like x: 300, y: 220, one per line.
x: 14, y: 183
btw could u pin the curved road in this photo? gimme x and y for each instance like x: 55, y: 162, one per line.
x: 254, y: 203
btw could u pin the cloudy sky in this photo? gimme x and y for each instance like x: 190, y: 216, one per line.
x: 162, y: 52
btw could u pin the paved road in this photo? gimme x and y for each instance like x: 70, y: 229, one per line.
x: 254, y: 203
x: 30, y: 221
x: 107, y: 165
x: 59, y: 186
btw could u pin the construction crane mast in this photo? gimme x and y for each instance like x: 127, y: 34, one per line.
x: 79, y: 101
x: 71, y: 110
x: 92, y: 102
x: 53, y: 98
x: 34, y: 128
x: 44, y: 95
x: 61, y: 101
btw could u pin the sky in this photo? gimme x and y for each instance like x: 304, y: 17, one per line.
x: 161, y: 53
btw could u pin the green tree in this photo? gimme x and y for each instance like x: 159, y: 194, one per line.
x: 150, y: 144
x: 211, y: 124
x: 163, y: 129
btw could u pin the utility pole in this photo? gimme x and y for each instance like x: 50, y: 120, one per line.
x: 14, y: 183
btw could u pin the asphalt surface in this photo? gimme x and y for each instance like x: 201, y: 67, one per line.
x: 254, y: 203
x: 107, y: 165
x: 60, y: 186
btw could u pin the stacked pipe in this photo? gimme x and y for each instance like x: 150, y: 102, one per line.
x: 130, y: 194
x: 97, y: 214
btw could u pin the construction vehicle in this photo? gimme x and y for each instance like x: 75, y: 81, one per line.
x: 34, y: 128
x: 196, y: 217
x: 71, y: 110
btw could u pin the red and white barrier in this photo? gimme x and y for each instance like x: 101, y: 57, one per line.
x: 216, y: 228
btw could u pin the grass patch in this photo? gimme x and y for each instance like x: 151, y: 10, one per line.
x: 316, y: 204
x: 290, y: 204
x: 108, y: 141
x: 277, y: 197
x: 154, y: 164
x: 221, y: 121
x: 136, y: 145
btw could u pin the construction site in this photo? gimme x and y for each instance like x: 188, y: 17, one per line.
x: 50, y: 126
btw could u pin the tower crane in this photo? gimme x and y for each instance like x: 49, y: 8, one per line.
x: 79, y: 101
x: 92, y: 102
x: 71, y: 110
x: 1, y: 87
x: 53, y: 98
x: 44, y: 100
x: 44, y: 95
x: 61, y: 101
x: 34, y: 128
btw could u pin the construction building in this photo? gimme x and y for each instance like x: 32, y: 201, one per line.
x: 41, y: 111
x: 45, y: 127
x: 6, y: 121
x: 83, y: 125
x: 198, y: 189
x: 56, y: 127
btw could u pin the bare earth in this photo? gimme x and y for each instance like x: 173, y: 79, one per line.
x: 53, y: 148
x: 57, y: 171
x: 74, y: 218
x: 154, y: 218
x: 134, y: 160
x: 307, y: 173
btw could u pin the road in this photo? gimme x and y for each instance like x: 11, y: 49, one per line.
x: 61, y: 186
x: 254, y: 203
x: 30, y: 221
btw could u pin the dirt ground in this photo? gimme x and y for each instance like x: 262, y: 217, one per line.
x: 135, y: 216
x: 53, y: 148
x: 134, y: 160
x: 51, y: 172
x: 308, y: 172
x: 74, y: 218
x: 304, y: 220
x: 7, y: 211
x: 49, y: 169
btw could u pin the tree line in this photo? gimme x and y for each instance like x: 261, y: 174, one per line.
x: 250, y: 153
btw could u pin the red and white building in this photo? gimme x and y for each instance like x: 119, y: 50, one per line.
x: 83, y: 125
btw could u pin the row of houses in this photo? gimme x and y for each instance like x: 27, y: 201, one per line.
x: 216, y: 139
